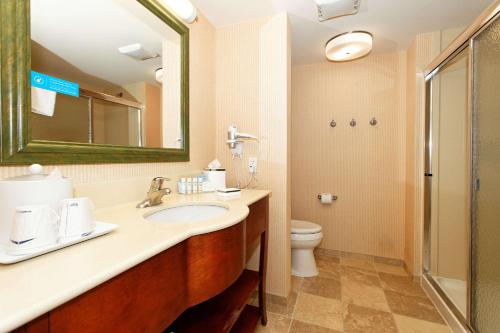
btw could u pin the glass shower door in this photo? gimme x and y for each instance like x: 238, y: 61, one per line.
x: 486, y: 175
x: 449, y: 180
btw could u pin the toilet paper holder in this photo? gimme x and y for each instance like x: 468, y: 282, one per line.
x: 334, y: 197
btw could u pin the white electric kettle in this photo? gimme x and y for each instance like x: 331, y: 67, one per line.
x: 33, y: 189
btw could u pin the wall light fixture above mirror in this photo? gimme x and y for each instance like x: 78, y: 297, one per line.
x: 108, y: 82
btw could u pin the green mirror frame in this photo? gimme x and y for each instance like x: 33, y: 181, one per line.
x: 17, y: 146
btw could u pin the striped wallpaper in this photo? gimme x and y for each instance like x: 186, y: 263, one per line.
x: 365, y: 165
x: 252, y: 62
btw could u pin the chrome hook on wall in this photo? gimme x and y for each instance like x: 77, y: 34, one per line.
x: 353, y: 122
x: 373, y: 121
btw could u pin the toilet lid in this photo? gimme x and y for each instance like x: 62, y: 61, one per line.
x: 305, y: 227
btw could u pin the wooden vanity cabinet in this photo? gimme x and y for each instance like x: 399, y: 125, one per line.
x: 199, y: 283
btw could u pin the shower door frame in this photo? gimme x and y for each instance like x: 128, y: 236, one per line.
x: 463, y: 41
x: 428, y: 183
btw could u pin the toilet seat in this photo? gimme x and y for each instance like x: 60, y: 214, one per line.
x: 306, y: 237
x: 304, y: 228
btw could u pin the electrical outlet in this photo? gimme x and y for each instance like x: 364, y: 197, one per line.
x: 252, y: 164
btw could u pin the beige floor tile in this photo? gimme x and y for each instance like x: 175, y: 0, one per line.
x: 327, y: 259
x: 401, y: 284
x: 254, y: 298
x: 329, y: 274
x: 367, y: 277
x: 281, y: 305
x: 359, y: 319
x: 328, y: 267
x: 275, y: 324
x: 320, y: 311
x: 358, y: 263
x: 326, y: 252
x: 362, y: 294
x: 297, y: 283
x: 301, y: 327
x: 321, y: 286
x: 412, y: 325
x: 390, y: 269
x: 413, y: 306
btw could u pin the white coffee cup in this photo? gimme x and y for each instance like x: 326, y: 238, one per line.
x: 77, y: 217
x: 34, y: 226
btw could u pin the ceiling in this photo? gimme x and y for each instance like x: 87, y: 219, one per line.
x: 89, y: 39
x: 394, y: 23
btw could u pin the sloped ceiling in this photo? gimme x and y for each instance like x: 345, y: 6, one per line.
x: 393, y: 23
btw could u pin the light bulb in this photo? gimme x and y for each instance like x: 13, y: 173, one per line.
x: 183, y: 9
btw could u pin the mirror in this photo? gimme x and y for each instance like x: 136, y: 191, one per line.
x: 105, y: 72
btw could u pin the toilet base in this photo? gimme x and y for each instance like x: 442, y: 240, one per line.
x: 303, y: 263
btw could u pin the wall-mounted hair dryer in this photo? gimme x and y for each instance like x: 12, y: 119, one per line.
x: 235, y: 140
x: 233, y: 137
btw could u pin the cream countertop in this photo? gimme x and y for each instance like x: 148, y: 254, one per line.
x: 31, y: 288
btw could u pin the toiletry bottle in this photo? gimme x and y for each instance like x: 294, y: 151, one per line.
x: 200, y: 184
x: 182, y: 185
x: 189, y: 185
x: 195, y: 184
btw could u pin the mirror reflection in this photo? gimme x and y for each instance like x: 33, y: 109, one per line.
x: 113, y: 79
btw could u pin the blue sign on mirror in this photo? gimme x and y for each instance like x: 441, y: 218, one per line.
x: 52, y: 83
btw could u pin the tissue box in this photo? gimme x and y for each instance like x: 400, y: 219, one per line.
x: 216, y: 178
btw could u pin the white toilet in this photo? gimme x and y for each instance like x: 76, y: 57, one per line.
x: 305, y: 237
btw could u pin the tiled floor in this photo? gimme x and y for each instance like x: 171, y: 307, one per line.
x: 354, y: 293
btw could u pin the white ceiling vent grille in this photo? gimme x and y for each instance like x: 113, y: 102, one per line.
x: 328, y: 9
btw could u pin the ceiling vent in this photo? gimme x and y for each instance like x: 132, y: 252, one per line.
x: 137, y: 52
x: 328, y: 9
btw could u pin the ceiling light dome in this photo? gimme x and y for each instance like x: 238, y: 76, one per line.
x: 159, y: 75
x: 182, y: 8
x: 349, y: 46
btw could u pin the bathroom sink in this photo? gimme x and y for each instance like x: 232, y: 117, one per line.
x: 187, y: 213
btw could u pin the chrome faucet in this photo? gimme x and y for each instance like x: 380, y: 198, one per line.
x: 156, y: 193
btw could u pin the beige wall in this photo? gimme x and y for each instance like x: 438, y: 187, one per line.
x: 171, y: 92
x: 153, y: 116
x: 150, y: 96
x: 202, y: 121
x: 420, y: 53
x: 364, y: 166
x: 410, y: 167
x: 253, y: 60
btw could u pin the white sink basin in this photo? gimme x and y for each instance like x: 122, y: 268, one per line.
x: 187, y: 214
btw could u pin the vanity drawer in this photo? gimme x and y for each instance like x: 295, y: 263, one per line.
x: 257, y: 220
